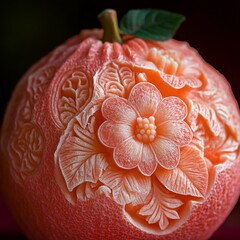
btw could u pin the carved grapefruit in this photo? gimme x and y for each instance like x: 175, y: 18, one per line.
x: 133, y: 140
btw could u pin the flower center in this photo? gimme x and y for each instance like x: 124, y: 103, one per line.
x: 146, y: 129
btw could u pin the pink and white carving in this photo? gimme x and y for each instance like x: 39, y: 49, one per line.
x: 142, y: 141
x: 146, y: 130
x: 147, y: 139
x: 147, y: 125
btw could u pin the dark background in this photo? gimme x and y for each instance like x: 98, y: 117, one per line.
x: 30, y: 29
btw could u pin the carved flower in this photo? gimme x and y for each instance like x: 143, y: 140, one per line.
x: 145, y: 130
x: 175, y: 70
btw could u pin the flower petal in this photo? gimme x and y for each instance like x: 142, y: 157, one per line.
x: 177, y: 131
x: 127, y: 155
x: 166, y: 152
x: 111, y: 134
x: 118, y: 110
x: 145, y: 98
x: 171, y: 108
x: 148, y: 163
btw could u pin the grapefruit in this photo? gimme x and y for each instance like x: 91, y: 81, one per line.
x: 121, y: 140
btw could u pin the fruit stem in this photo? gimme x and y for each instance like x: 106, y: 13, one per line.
x: 109, y: 21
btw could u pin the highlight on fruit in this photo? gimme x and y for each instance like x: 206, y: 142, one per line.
x: 122, y: 131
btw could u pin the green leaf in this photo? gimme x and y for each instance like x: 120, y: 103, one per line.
x: 153, y: 24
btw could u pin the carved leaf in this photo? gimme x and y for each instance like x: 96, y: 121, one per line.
x: 127, y: 77
x: 80, y: 157
x: 161, y: 207
x: 127, y: 186
x: 75, y: 93
x: 200, y: 108
x: 226, y: 148
x: 109, y: 80
x: 190, y: 177
x: 225, y: 113
x: 213, y: 123
x: 113, y: 79
x: 85, y: 191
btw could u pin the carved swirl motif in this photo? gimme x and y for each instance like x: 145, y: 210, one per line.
x: 27, y: 150
x: 27, y: 140
x: 144, y: 147
x: 74, y: 95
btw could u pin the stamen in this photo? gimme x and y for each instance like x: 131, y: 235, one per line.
x: 146, y: 129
